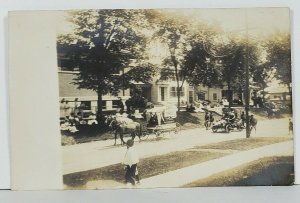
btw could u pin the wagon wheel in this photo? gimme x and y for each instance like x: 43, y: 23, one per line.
x: 145, y: 135
x: 239, y: 128
x: 157, y: 133
x: 227, y: 128
x: 214, y: 129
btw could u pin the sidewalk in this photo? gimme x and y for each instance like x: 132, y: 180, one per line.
x: 87, y: 156
x: 206, y: 169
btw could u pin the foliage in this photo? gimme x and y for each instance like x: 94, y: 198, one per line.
x: 137, y: 100
x: 67, y: 140
x: 200, y: 67
x: 233, y: 62
x: 279, y: 56
x: 263, y: 75
x: 173, y: 33
x: 106, y: 42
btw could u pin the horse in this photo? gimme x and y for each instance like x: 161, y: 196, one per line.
x: 120, y: 127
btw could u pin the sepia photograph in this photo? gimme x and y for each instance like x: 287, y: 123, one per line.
x: 156, y: 98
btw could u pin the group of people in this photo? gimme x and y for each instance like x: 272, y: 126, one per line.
x: 230, y: 116
x: 71, y: 117
x: 66, y: 109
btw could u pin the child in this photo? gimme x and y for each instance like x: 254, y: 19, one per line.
x: 130, y: 161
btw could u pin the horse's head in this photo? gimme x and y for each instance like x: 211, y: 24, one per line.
x: 113, y: 123
x: 108, y: 119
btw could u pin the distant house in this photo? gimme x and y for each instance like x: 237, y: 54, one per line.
x: 69, y: 92
x: 213, y: 94
x: 161, y: 90
x: 164, y: 90
x: 278, y: 94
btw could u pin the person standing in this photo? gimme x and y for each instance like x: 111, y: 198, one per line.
x: 76, y: 106
x: 67, y: 109
x: 206, y: 120
x: 130, y: 161
x: 62, y: 109
x: 211, y: 119
x: 243, y: 118
x: 290, y: 126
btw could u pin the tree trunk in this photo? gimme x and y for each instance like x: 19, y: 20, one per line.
x: 228, y: 93
x: 178, y: 98
x: 99, y: 106
x: 178, y: 87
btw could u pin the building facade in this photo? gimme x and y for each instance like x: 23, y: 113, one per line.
x: 68, y: 91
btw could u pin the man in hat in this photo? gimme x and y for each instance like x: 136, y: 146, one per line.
x: 130, y: 161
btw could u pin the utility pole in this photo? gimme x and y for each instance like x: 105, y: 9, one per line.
x: 247, y: 95
x: 207, y: 78
x: 123, y: 82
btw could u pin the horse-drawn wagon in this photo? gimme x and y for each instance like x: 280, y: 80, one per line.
x: 155, y: 121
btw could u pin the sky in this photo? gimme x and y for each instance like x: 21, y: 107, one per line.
x: 261, y: 21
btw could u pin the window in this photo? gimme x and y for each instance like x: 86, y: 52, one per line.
x: 201, y: 96
x: 85, y: 105
x: 117, y: 104
x: 173, y: 92
x: 215, y: 96
x: 104, y: 105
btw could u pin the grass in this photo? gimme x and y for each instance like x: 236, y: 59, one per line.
x: 147, y: 167
x: 156, y: 165
x: 264, y: 172
x: 245, y: 143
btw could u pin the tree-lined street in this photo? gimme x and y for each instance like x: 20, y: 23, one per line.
x: 165, y: 59
x: 85, y: 157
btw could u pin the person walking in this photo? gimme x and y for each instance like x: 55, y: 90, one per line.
x: 130, y: 161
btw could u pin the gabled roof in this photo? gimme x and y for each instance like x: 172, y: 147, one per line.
x: 277, y: 89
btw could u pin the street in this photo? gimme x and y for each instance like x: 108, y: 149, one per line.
x: 88, y: 156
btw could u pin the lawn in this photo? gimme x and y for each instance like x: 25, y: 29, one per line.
x: 268, y: 171
x: 245, y: 143
x: 156, y: 165
x: 147, y: 167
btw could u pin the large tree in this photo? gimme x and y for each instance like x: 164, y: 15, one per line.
x: 182, y: 39
x: 263, y: 74
x: 103, y: 45
x: 170, y: 31
x: 233, y: 63
x: 279, y: 56
x: 200, y: 64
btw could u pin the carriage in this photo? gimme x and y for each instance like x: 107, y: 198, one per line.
x: 141, y: 126
x: 166, y: 127
x: 165, y: 121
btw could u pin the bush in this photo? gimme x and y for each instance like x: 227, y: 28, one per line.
x: 65, y: 140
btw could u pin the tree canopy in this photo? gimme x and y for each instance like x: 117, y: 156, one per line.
x: 279, y: 56
x: 109, y: 49
x: 104, y: 43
